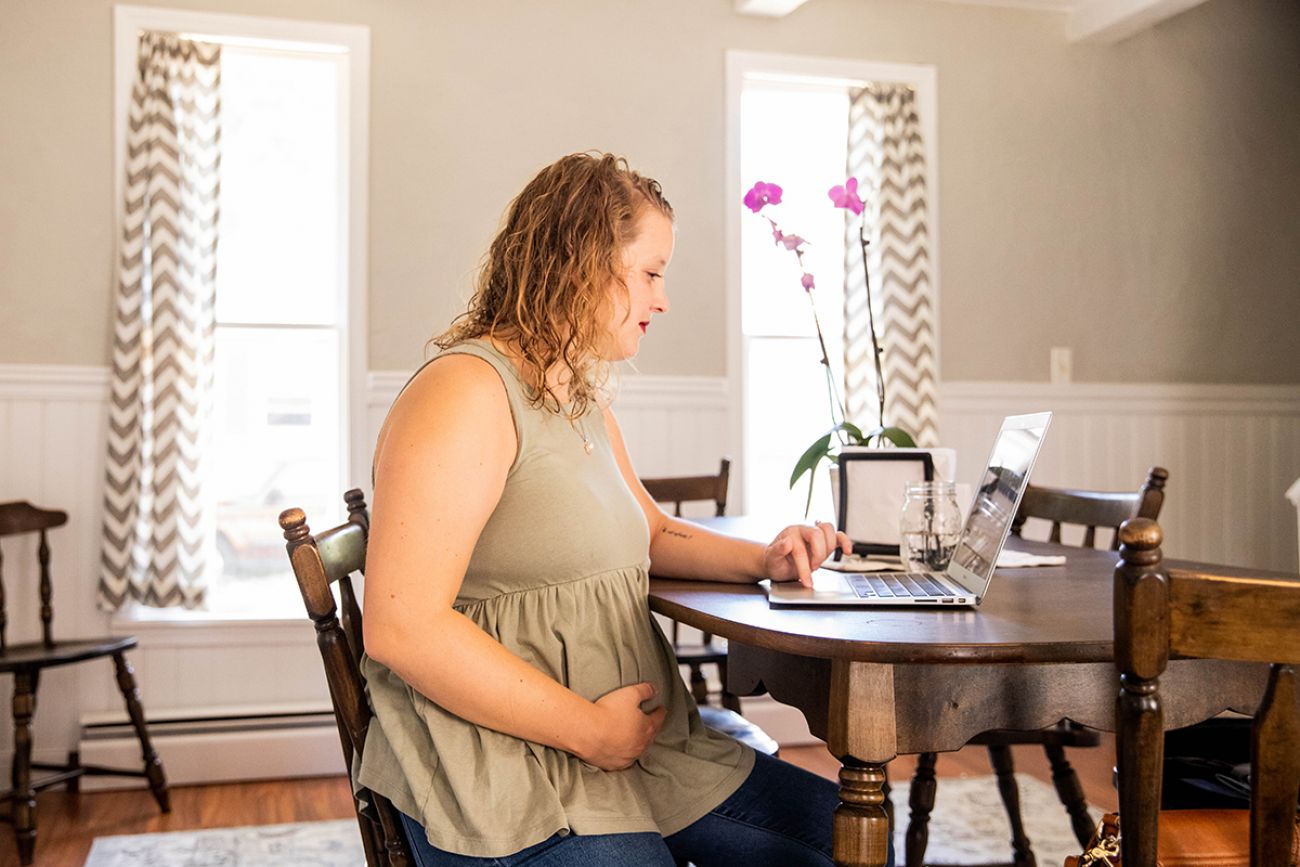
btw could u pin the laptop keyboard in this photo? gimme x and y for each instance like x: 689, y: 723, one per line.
x: 896, y: 584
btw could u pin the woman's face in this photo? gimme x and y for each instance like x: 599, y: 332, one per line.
x: 646, y: 262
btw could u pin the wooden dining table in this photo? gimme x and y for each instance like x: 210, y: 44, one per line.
x: 874, y: 683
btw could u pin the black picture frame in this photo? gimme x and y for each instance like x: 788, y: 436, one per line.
x: 867, y: 549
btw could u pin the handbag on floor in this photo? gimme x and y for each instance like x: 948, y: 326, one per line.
x: 1103, y: 848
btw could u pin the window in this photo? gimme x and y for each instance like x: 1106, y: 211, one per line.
x: 789, y: 124
x: 794, y: 134
x: 288, y: 405
x: 278, y: 433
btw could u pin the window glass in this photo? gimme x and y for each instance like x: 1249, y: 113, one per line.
x: 278, y: 435
x: 794, y: 134
x: 280, y: 251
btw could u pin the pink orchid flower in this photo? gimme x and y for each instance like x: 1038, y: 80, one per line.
x: 792, y: 242
x: 846, y: 196
x: 762, y: 194
x: 807, y: 282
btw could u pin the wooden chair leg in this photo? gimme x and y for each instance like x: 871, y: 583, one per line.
x: 74, y: 762
x: 1070, y: 792
x: 730, y: 700
x: 1004, y: 767
x: 921, y: 802
x: 699, y: 686
x: 153, y: 768
x: 24, y: 797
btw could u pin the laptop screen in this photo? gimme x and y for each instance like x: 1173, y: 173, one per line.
x: 998, y: 497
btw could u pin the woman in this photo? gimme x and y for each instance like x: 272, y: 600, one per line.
x: 527, y: 707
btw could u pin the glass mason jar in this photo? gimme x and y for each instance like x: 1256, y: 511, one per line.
x: 929, y: 525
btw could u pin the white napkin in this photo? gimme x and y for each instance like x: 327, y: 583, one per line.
x: 1009, y: 559
x: 854, y: 563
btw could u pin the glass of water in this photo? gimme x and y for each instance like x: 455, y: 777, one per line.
x: 929, y: 526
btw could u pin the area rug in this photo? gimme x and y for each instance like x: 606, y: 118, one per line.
x: 968, y: 826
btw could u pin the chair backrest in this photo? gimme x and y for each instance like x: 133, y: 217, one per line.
x: 1092, y: 509
x: 1161, y: 613
x: 687, y: 489
x: 319, y: 561
x: 16, y: 519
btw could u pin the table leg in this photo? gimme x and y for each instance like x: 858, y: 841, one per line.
x: 862, y: 732
x: 861, y: 822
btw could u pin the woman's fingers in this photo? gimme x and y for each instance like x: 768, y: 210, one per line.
x: 804, y: 548
x: 799, y: 555
x: 815, y: 539
x: 828, y: 533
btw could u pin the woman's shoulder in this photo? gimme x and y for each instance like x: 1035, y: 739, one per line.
x: 454, y: 395
x: 454, y: 380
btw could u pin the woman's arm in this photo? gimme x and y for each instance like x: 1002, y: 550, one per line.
x: 440, y: 468
x: 681, y: 549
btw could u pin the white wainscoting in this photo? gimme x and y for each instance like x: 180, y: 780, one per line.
x: 1232, y: 451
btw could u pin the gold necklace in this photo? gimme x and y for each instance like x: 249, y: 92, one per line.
x: 581, y: 431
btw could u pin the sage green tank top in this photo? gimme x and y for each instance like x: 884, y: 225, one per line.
x: 559, y: 577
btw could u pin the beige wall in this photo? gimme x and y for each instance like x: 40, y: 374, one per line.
x: 1136, y: 202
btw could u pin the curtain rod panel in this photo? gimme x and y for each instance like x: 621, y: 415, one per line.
x: 158, y: 523
x: 887, y: 155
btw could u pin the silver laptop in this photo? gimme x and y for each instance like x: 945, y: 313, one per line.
x: 966, y: 579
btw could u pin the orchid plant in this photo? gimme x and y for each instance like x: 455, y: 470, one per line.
x: 842, y: 432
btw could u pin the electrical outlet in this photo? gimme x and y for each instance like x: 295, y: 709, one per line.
x: 1062, y: 365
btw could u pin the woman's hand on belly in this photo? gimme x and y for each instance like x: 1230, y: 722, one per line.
x: 618, y: 731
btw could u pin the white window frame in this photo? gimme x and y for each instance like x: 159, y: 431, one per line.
x: 353, y: 42
x: 748, y: 65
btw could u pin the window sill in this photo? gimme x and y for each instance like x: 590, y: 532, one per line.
x: 134, y: 616
x: 169, y: 627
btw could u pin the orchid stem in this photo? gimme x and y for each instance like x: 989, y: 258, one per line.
x: 876, y: 351
x: 832, y: 393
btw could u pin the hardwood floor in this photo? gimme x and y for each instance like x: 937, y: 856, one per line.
x: 68, y: 823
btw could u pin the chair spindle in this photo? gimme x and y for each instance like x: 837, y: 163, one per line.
x: 47, y: 592
x: 4, y: 618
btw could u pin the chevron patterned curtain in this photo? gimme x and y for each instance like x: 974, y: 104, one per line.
x: 158, y: 525
x: 887, y: 157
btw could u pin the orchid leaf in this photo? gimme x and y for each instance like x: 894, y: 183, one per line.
x: 812, y: 457
x: 897, y: 436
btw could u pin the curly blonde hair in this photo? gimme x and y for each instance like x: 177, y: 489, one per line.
x: 544, y: 283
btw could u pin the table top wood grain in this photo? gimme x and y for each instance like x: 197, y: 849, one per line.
x: 1049, y: 614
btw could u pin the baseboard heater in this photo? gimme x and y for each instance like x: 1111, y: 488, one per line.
x: 212, y: 747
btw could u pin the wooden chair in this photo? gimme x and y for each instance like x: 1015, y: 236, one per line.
x: 1178, y: 613
x: 674, y: 492
x: 27, y: 661
x: 686, y: 489
x: 1091, y: 509
x: 319, y: 561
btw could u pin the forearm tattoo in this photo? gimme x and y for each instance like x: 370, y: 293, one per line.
x: 678, y: 533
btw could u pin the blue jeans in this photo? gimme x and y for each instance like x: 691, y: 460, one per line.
x: 779, y: 817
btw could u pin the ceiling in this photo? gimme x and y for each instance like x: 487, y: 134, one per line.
x: 1098, y: 21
